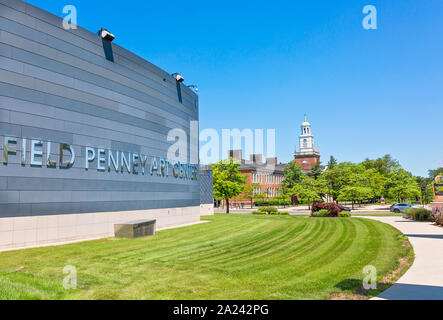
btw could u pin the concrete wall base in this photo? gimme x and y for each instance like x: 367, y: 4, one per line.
x: 23, y: 232
x: 206, y: 209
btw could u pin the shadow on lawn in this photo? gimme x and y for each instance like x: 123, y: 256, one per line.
x: 430, y: 236
x: 353, y: 289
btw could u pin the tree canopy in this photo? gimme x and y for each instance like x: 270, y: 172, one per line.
x: 371, y: 179
x: 228, y: 181
x: 249, y: 192
x: 310, y: 189
x: 436, y: 172
x: 316, y: 171
x: 355, y: 193
x: 401, y: 185
x: 293, y: 175
x: 332, y: 162
x: 382, y: 165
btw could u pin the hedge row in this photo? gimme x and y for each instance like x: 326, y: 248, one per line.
x: 270, y: 211
x: 419, y: 214
x: 422, y: 214
x: 272, y: 202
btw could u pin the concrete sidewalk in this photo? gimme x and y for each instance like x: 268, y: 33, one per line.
x: 424, y: 280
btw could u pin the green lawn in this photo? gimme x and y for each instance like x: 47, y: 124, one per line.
x: 232, y: 257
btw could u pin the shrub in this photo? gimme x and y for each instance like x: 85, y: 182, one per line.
x: 267, y: 210
x: 258, y: 212
x: 437, y: 215
x: 285, y: 202
x: 419, y: 214
x: 332, y: 207
x: 344, y: 214
x: 321, y: 213
x: 270, y: 211
x: 284, y: 213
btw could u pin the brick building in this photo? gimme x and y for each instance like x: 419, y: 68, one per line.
x: 268, y: 175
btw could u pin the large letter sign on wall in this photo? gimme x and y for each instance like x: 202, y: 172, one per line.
x: 7, y: 149
x: 49, y: 162
x: 36, y: 153
x: 106, y: 160
x: 70, y: 163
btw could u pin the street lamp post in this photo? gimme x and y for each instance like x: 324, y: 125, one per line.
x: 423, y: 188
x: 329, y: 192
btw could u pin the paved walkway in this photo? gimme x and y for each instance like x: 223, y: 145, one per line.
x: 424, y: 280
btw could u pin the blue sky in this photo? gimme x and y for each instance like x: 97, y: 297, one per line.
x: 263, y: 64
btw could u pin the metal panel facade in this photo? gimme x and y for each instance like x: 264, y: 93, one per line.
x: 57, y: 87
x: 206, y: 186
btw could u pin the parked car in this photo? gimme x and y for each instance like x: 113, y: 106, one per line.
x: 401, y: 207
x: 343, y: 208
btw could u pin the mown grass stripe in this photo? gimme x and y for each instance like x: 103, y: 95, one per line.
x: 232, y: 257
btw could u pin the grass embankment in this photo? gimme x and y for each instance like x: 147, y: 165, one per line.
x: 232, y: 257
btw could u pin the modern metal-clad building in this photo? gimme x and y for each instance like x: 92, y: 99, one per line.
x: 84, y: 128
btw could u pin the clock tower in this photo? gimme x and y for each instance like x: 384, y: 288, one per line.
x: 307, y: 157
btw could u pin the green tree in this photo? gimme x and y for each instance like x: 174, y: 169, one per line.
x: 332, y: 162
x: 293, y: 175
x: 249, y: 192
x: 383, y: 177
x: 261, y: 196
x: 374, y: 180
x: 426, y: 189
x: 281, y: 196
x: 401, y: 185
x: 428, y: 195
x: 228, y: 181
x: 436, y: 172
x: 342, y: 175
x: 316, y: 171
x: 309, y: 189
x: 383, y: 165
x: 347, y: 174
x: 355, y: 193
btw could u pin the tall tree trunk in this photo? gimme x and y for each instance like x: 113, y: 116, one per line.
x: 252, y: 203
x: 294, y: 200
x: 227, y: 205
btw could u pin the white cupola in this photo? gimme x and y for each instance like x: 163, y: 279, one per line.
x: 306, y: 137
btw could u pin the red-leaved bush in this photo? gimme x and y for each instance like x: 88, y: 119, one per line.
x: 437, y: 215
x: 332, y: 207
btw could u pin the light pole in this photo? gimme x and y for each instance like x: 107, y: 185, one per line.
x: 329, y: 192
x: 423, y: 186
